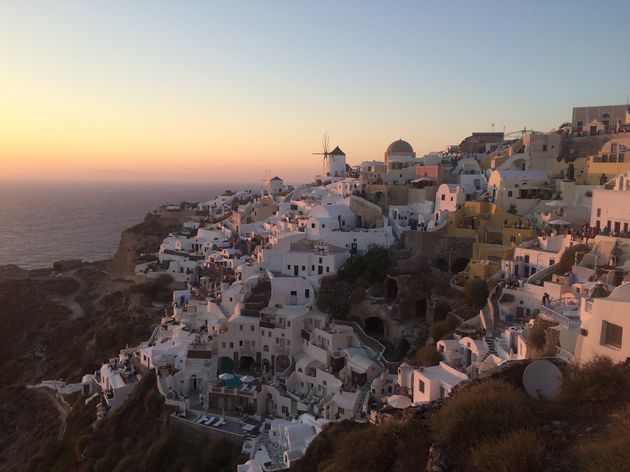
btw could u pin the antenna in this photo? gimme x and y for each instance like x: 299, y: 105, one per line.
x: 542, y: 380
x: 324, y: 152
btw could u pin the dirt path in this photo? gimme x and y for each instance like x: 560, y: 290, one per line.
x: 69, y: 301
x: 59, y: 406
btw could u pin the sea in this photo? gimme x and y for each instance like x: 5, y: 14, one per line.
x: 45, y: 221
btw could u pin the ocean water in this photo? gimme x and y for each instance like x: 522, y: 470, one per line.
x: 44, y: 221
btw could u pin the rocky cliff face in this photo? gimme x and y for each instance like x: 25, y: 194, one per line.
x: 144, y: 238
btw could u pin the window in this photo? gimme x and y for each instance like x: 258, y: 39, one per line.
x: 552, y: 262
x: 303, y: 268
x: 294, y: 293
x: 421, y: 386
x: 544, y: 147
x: 307, y: 293
x: 251, y: 328
x: 289, y: 267
x: 509, y: 193
x: 240, y: 327
x: 231, y: 345
x: 240, y: 343
x: 312, y: 225
x: 443, y: 197
x: 223, y: 345
x: 599, y: 212
x: 527, y: 258
x: 611, y: 334
x: 320, y: 260
x: 340, y: 410
x: 323, y: 225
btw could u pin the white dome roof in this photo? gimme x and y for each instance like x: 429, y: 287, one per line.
x: 621, y: 293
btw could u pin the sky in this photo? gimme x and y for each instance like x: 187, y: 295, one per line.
x: 223, y: 91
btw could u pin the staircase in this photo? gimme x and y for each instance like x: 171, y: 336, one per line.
x: 258, y: 299
x: 491, y: 347
x: 294, y: 409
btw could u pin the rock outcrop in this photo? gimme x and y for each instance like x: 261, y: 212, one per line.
x: 144, y: 238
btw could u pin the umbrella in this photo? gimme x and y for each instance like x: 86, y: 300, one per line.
x: 226, y: 376
x: 559, y: 222
x: 247, y: 379
x: 399, y: 401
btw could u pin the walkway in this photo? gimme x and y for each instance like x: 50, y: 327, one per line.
x: 59, y: 406
x: 69, y: 301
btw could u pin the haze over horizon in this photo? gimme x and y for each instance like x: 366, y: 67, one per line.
x: 161, y: 91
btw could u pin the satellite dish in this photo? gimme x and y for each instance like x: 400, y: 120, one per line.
x: 542, y: 380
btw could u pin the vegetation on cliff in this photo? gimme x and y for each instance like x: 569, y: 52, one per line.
x: 492, y: 425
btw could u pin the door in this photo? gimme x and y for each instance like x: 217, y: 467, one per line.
x: 295, y: 270
x: 320, y: 270
x: 519, y: 312
x: 617, y: 226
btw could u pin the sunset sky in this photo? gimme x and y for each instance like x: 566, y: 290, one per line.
x: 221, y: 91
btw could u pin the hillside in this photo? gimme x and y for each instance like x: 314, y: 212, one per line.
x: 492, y: 425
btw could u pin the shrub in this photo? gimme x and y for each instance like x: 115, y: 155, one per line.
x: 599, y: 381
x: 482, y: 412
x: 476, y: 292
x: 425, y: 356
x: 537, y: 335
x: 568, y: 256
x: 372, y: 265
x: 334, y: 296
x: 519, y: 450
x: 443, y: 329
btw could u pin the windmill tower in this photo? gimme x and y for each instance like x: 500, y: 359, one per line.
x: 325, y: 154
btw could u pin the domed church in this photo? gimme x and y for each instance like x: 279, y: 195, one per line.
x: 400, y: 148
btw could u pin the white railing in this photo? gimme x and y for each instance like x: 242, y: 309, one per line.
x: 550, y: 314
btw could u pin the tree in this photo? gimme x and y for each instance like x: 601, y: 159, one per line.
x: 476, y: 292
x: 373, y: 265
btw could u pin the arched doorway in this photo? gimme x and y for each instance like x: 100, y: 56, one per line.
x: 421, y: 309
x: 226, y: 365
x: 402, y: 348
x: 379, y: 198
x: 459, y: 265
x: 391, y: 289
x: 440, y: 311
x: 282, y: 362
x: 441, y: 264
x: 246, y: 364
x: 375, y: 327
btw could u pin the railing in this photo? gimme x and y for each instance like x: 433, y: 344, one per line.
x: 564, y: 355
x: 375, y: 344
x: 588, y: 305
x: 550, y: 314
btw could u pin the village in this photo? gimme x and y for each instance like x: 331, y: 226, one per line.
x: 246, y: 349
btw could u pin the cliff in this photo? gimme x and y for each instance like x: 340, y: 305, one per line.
x: 143, y: 238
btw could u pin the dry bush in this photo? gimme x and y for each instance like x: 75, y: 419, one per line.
x: 443, y: 329
x: 425, y: 356
x: 597, y: 382
x: 484, y: 411
x: 517, y: 451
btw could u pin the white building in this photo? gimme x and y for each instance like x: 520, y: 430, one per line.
x: 433, y: 383
x: 605, y: 326
x: 610, y: 207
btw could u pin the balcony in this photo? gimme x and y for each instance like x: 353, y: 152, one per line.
x: 565, y: 314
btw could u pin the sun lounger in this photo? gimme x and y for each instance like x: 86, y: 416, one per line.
x: 201, y: 419
x: 219, y: 423
x: 209, y: 421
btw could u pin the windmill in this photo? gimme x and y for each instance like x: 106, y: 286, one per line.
x: 522, y: 132
x: 324, y: 152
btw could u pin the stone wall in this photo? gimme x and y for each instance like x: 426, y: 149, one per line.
x: 426, y: 248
